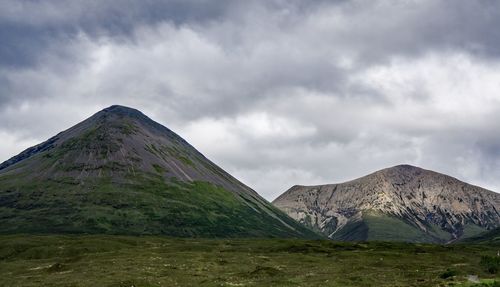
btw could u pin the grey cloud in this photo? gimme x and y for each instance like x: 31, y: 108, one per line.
x: 116, y: 16
x: 277, y: 92
x: 373, y: 31
x: 28, y: 27
x: 415, y: 27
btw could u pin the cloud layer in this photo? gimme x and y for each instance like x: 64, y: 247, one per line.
x: 276, y: 92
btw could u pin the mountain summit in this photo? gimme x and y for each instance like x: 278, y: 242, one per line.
x: 119, y: 172
x: 402, y: 203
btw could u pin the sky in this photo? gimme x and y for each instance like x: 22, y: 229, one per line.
x: 275, y: 92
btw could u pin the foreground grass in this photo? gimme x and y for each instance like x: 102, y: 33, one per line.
x: 159, y: 261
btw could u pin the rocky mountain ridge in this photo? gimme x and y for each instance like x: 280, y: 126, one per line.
x: 432, y: 206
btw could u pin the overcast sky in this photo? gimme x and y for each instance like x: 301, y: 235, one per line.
x: 277, y: 93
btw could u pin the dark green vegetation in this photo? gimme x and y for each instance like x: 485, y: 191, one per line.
x: 157, y: 261
x: 378, y: 226
x: 382, y: 227
x: 491, y: 264
x: 119, y: 172
x: 488, y: 237
x: 153, y: 207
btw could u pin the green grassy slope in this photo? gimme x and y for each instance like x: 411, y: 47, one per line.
x: 111, y: 261
x: 487, y: 237
x: 471, y: 230
x: 376, y: 226
x: 148, y: 205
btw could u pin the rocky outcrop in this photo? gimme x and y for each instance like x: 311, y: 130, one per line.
x: 429, y: 201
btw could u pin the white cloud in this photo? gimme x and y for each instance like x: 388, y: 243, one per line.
x: 13, y: 144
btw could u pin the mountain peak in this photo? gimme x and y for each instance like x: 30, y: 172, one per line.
x: 118, y: 109
x: 402, y: 169
x: 122, y: 111
x: 434, y: 207
x: 405, y: 167
x: 121, y: 172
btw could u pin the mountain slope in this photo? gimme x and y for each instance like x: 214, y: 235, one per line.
x: 120, y: 172
x: 402, y: 203
x: 488, y: 237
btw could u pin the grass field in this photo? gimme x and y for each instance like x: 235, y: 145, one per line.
x: 159, y: 261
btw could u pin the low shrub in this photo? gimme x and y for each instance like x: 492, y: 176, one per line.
x: 448, y: 273
x: 490, y: 263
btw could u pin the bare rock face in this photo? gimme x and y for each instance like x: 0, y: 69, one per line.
x: 400, y: 203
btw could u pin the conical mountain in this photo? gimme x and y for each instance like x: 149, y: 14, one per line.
x: 402, y: 203
x: 119, y: 172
